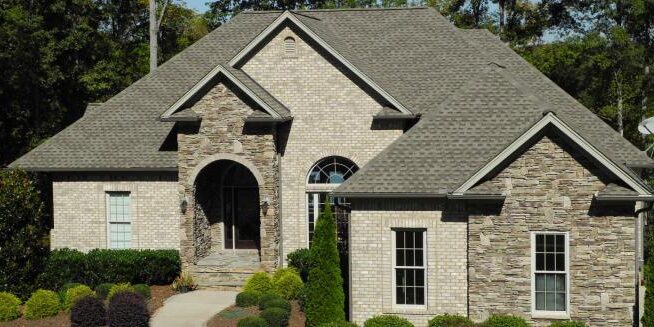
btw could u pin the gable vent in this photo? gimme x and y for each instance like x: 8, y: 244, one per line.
x: 289, y: 47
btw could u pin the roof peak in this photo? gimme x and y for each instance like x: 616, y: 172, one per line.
x: 333, y: 9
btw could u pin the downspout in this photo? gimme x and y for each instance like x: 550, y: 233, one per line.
x: 640, y: 250
x: 279, y: 199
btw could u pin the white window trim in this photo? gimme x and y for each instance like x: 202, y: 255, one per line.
x: 316, y: 212
x: 107, y: 194
x: 550, y: 314
x: 393, y: 267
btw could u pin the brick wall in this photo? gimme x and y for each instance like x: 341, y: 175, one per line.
x: 80, y: 210
x: 331, y: 116
x: 550, y: 187
x: 371, y: 257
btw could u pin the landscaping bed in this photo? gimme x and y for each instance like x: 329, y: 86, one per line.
x: 230, y: 316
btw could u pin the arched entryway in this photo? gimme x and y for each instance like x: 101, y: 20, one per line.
x: 227, y: 212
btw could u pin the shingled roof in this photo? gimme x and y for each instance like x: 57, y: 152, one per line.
x: 474, y: 94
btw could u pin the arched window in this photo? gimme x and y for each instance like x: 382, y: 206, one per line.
x: 289, y: 47
x: 332, y: 170
x: 323, y: 177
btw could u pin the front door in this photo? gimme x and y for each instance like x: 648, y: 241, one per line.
x: 241, y: 217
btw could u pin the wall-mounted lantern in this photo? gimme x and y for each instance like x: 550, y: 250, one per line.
x: 183, y: 205
x: 265, y: 204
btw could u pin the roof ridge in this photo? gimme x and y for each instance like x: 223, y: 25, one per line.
x: 250, y: 12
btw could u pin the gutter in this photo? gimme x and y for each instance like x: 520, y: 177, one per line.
x: 623, y: 198
x: 426, y: 195
x: 267, y: 120
x: 134, y: 169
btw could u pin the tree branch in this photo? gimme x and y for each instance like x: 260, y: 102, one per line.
x: 161, y: 14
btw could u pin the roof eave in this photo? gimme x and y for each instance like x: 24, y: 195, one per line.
x: 624, y: 198
x: 94, y: 169
x: 389, y: 195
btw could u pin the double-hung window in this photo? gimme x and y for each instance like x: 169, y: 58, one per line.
x: 409, y: 267
x: 550, y: 274
x: 119, y: 220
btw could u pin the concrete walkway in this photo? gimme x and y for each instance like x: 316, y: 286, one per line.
x: 192, y: 309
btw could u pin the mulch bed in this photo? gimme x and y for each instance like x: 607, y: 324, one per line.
x: 230, y: 316
x: 159, y: 296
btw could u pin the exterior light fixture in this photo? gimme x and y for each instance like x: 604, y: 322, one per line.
x: 265, y: 204
x: 183, y: 205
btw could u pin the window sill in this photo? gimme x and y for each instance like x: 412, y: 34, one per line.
x: 550, y: 315
x: 407, y: 309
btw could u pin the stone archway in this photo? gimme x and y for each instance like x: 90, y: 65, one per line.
x: 227, y: 214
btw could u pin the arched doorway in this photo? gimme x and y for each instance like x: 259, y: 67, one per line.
x: 227, y: 207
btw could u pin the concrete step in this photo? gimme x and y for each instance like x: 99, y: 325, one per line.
x: 225, y: 270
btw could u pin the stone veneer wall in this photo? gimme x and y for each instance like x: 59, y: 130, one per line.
x: 550, y: 187
x: 371, y: 253
x: 80, y: 209
x: 331, y: 116
x: 222, y: 134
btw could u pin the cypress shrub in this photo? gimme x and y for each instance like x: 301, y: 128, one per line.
x: 387, y: 321
x: 339, y: 324
x: 247, y: 299
x: 325, y: 300
x: 42, y: 304
x: 9, y: 306
x: 102, y: 290
x: 88, y: 312
x: 76, y: 293
x: 648, y: 271
x: 300, y: 259
x: 505, y: 321
x: 448, y: 320
x: 252, y: 322
x: 128, y: 309
x: 275, y: 317
x: 260, y: 282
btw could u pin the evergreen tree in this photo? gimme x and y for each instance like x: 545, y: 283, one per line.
x: 325, y: 300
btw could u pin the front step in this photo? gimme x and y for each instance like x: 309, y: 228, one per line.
x: 226, y: 270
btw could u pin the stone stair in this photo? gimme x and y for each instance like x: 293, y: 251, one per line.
x: 226, y: 269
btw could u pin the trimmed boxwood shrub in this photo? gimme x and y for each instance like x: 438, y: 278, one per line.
x: 275, y: 317
x: 259, y: 282
x: 9, y: 306
x: 88, y: 312
x: 325, y: 298
x: 128, y: 309
x: 276, y: 303
x: 102, y: 290
x: 505, y: 321
x: 144, y: 290
x: 387, y: 321
x: 300, y: 259
x: 75, y: 294
x: 151, y: 267
x: 247, y: 299
x: 287, y: 283
x: 64, y: 289
x: 448, y: 320
x: 265, y: 298
x: 252, y: 322
x: 569, y: 323
x: 42, y: 304
x: 120, y: 288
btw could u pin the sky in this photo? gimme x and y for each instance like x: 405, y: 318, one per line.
x: 199, y: 5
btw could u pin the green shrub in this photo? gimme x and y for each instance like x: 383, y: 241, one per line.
x: 265, y: 298
x: 259, y: 282
x: 276, y: 303
x: 325, y: 299
x: 23, y: 232
x: 247, y: 299
x: 339, y: 324
x: 144, y: 290
x: 300, y: 259
x: 288, y: 284
x: 9, y: 306
x: 275, y: 317
x: 42, y: 304
x: 505, y: 321
x: 88, y: 312
x: 64, y: 289
x: 448, y: 320
x: 76, y: 293
x: 387, y: 321
x: 648, y: 274
x: 568, y: 323
x: 151, y: 267
x: 283, y: 271
x: 252, y: 322
x: 120, y: 288
x: 102, y: 290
